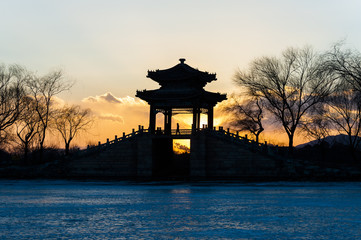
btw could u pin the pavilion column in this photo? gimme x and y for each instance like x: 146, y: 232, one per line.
x: 152, y: 118
x: 165, y: 120
x: 168, y: 121
x: 210, y: 117
x: 194, y: 124
x: 198, y: 118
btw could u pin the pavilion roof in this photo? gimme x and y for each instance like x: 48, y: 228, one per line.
x: 181, y: 72
x: 164, y: 95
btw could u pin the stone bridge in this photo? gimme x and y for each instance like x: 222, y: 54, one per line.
x: 214, y: 153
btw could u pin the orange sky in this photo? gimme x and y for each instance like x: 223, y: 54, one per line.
x: 106, y: 47
x: 114, y: 115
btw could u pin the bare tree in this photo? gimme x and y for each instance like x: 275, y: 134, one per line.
x: 246, y: 115
x: 11, y: 93
x: 345, y: 63
x: 28, y: 125
x: 345, y: 113
x: 43, y: 89
x: 316, y: 125
x: 69, y: 121
x: 289, y: 86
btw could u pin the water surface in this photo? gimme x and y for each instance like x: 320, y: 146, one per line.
x: 123, y: 210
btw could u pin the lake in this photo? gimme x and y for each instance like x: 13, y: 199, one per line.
x: 44, y: 209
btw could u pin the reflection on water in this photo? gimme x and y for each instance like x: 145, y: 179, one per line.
x: 113, y: 210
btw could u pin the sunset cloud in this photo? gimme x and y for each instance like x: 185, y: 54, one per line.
x: 58, y: 102
x: 115, y: 115
x: 110, y: 98
x: 111, y: 117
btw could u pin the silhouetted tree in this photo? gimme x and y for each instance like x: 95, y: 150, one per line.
x: 69, y: 121
x: 11, y: 93
x: 289, y: 85
x: 43, y: 89
x: 345, y: 113
x: 316, y: 125
x: 28, y: 125
x: 246, y: 115
x: 346, y: 64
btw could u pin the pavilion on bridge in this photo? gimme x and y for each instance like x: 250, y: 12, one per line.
x: 182, y: 91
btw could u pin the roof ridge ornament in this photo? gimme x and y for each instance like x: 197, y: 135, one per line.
x: 182, y: 60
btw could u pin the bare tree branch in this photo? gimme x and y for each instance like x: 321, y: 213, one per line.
x: 69, y: 121
x: 28, y: 125
x: 246, y: 115
x: 345, y: 63
x: 344, y: 111
x: 11, y: 92
x: 43, y: 89
x: 289, y: 85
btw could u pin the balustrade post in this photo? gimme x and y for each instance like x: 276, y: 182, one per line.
x: 265, y: 147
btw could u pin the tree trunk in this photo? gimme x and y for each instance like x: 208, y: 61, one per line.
x: 352, y: 147
x: 258, y: 133
x: 41, y: 151
x: 42, y: 140
x: 290, y: 143
x: 26, y: 151
x: 353, y: 153
x: 67, y: 146
x: 257, y: 137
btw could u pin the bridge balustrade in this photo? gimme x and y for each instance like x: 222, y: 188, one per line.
x: 232, y: 135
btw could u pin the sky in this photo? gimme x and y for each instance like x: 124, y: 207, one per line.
x: 107, y: 46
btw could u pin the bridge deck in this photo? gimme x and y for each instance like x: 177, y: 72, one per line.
x: 181, y: 134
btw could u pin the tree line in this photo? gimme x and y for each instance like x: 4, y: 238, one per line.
x: 301, y: 91
x: 28, y: 111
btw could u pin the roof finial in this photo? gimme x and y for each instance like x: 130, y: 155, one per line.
x: 182, y: 60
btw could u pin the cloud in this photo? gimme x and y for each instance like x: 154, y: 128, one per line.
x: 111, y: 117
x: 110, y: 98
x: 57, y: 101
x: 115, y: 115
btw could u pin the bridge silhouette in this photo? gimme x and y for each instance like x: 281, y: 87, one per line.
x: 214, y: 153
x: 149, y: 152
x: 187, y: 134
